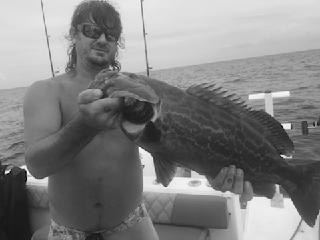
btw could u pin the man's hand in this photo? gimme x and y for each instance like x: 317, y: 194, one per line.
x: 231, y: 179
x: 99, y: 113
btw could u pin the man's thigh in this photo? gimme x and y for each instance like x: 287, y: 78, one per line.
x: 143, y: 230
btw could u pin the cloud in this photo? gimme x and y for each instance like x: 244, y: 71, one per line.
x: 180, y: 32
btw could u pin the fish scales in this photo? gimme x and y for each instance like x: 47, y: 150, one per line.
x: 204, y: 128
x: 185, y: 129
x: 221, y: 120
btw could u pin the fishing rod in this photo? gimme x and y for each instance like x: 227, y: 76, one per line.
x: 47, y: 37
x: 145, y: 41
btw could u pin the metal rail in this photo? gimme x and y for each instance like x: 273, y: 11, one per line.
x: 47, y: 37
x: 145, y: 41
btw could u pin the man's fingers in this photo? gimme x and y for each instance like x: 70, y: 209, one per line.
x: 101, y: 106
x: 89, y: 95
x: 114, y: 120
x: 232, y: 179
x: 218, y: 181
x: 238, y: 182
x: 247, y: 194
x: 229, y: 180
x: 109, y: 104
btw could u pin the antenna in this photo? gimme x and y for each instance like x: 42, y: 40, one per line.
x: 144, y: 38
x: 46, y: 32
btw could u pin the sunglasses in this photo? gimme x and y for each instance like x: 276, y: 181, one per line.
x: 94, y: 32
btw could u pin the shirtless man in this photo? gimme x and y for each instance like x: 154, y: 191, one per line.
x: 72, y: 137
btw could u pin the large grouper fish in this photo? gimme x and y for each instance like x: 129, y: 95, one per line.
x: 204, y: 129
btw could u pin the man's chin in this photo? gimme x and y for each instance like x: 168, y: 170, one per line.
x: 98, y: 62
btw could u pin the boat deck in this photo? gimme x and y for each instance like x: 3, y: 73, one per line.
x: 264, y: 222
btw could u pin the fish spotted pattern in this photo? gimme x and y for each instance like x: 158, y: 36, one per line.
x: 204, y: 129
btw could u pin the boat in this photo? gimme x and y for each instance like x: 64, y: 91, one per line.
x: 190, y: 209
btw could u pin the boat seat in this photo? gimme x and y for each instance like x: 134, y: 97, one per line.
x: 175, y: 216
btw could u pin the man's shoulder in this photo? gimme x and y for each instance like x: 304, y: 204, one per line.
x: 50, y: 85
x: 45, y: 89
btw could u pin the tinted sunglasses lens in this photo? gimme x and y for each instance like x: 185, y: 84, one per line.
x: 110, y: 38
x: 91, y: 31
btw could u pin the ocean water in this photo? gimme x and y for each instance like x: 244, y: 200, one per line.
x: 297, y: 72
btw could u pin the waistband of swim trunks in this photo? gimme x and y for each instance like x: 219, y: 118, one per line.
x: 134, y: 217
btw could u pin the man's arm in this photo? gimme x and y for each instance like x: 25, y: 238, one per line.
x: 49, y: 147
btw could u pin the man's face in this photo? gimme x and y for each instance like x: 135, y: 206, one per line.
x: 95, y: 45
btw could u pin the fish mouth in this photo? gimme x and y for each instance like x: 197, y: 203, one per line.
x: 140, y: 103
x: 137, y: 112
x: 136, y: 115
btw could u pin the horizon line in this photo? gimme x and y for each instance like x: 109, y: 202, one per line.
x: 203, y: 63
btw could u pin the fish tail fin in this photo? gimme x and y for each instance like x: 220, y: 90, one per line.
x: 305, y: 191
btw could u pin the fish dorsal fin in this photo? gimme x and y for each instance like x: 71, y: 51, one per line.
x: 165, y: 170
x: 274, y: 131
x: 259, y: 120
x: 217, y: 96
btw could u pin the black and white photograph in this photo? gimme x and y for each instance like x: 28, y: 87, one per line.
x: 159, y: 120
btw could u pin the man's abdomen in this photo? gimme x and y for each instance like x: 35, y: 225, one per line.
x: 96, y: 192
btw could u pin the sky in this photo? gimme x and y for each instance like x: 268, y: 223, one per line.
x: 180, y: 33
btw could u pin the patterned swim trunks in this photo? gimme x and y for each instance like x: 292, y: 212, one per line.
x: 58, y: 232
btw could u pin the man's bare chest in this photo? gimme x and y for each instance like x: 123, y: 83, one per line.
x: 69, y: 101
x: 68, y: 98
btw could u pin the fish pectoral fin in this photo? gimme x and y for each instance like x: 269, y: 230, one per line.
x: 164, y: 169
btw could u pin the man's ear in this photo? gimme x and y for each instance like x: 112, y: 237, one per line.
x: 73, y: 34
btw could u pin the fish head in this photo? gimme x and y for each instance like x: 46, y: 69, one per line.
x: 140, y: 103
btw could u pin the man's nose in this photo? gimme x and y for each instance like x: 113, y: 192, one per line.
x: 102, y: 38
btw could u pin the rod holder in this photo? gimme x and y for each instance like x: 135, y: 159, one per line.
x: 304, y: 128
